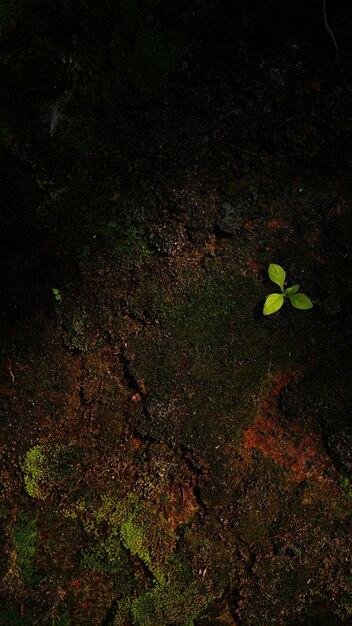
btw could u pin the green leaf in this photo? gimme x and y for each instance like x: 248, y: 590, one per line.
x: 57, y: 297
x: 300, y: 301
x: 55, y: 291
x: 273, y: 303
x: 290, y: 291
x: 277, y: 274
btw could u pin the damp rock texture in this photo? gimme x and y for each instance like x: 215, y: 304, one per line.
x: 169, y: 456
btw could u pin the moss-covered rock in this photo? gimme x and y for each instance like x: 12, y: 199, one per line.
x: 205, y: 363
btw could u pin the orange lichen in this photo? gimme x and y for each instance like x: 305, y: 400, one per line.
x: 182, y: 506
x: 255, y: 265
x: 135, y: 443
x: 275, y: 224
x: 288, y: 444
x: 280, y: 381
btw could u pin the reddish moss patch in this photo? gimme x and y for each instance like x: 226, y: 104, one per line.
x: 288, y: 444
x: 274, y: 224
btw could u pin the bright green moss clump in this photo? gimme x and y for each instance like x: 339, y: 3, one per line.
x: 130, y: 537
x: 44, y: 467
x: 169, y: 603
x: 134, y: 540
x: 130, y: 526
x: 34, y: 471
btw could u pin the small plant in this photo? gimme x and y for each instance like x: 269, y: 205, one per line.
x: 275, y: 301
x: 56, y: 294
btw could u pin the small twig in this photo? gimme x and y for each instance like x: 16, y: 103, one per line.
x: 330, y: 33
x: 11, y: 373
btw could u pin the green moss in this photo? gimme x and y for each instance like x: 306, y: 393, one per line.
x: 210, y: 344
x: 25, y: 537
x: 119, y: 233
x: 345, y: 485
x: 134, y: 539
x: 128, y: 534
x: 34, y: 472
x: 45, y: 467
x: 107, y: 556
x: 170, y: 603
x: 123, y: 612
x: 130, y: 526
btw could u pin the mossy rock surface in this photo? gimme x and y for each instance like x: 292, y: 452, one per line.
x: 205, y: 362
x: 170, y: 457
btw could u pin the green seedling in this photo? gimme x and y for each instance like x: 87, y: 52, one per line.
x: 56, y: 294
x: 275, y: 301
